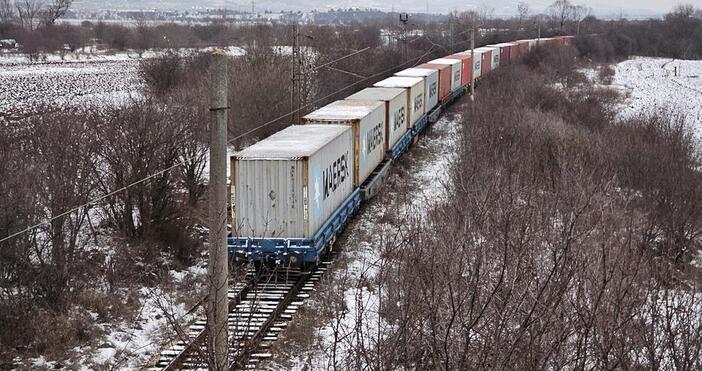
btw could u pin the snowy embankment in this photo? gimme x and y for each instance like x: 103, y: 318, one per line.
x: 652, y: 86
x: 356, y: 322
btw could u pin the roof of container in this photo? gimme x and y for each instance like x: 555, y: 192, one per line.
x: 399, y: 82
x: 504, y: 44
x: 294, y: 142
x: 416, y: 72
x: 382, y: 94
x: 482, y: 49
x: 434, y: 67
x: 445, y: 61
x: 345, y: 110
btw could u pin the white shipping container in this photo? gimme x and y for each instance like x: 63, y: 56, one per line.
x: 495, y: 56
x: 431, y: 84
x: 289, y: 184
x: 477, y: 61
x: 456, y: 68
x: 367, y: 118
x: 415, y: 98
x: 396, y: 115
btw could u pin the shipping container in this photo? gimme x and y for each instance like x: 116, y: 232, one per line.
x: 505, y: 49
x: 431, y: 84
x: 523, y: 47
x: 289, y: 184
x: 415, y: 98
x: 485, y: 59
x: 396, y: 114
x: 477, y: 63
x: 532, y: 44
x: 445, y: 77
x: 457, y: 67
x: 367, y: 118
x: 495, y: 64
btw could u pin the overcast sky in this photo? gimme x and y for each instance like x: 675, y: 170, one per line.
x: 601, y: 8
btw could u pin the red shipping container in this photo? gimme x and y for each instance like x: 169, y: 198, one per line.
x: 444, y: 78
x: 466, y: 67
x: 506, y: 51
x: 504, y: 54
x: 486, y: 62
x: 514, y: 54
x: 523, y: 48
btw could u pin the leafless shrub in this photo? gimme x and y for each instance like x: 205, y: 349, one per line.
x: 543, y: 255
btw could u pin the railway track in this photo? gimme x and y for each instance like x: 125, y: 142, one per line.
x: 260, y: 308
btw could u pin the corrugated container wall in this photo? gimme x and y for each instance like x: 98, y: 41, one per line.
x: 396, y: 112
x: 415, y: 99
x: 465, y: 67
x: 456, y: 71
x: 444, y: 77
x: 477, y: 63
x: 504, y: 52
x: 368, y: 121
x: 431, y: 84
x: 495, y: 57
x: 289, y: 184
x: 485, y: 59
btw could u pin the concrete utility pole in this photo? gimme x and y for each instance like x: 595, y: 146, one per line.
x: 472, y: 63
x: 217, y: 266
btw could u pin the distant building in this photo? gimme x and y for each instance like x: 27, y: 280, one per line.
x: 8, y: 44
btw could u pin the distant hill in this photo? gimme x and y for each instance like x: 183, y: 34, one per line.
x: 501, y: 8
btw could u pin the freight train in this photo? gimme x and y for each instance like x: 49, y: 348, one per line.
x: 293, y: 192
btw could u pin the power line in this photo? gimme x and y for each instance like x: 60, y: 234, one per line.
x: 231, y: 141
x: 124, y: 188
x: 96, y: 200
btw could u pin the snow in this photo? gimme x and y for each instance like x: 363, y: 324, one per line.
x: 130, y: 343
x: 83, y: 77
x: 652, y: 86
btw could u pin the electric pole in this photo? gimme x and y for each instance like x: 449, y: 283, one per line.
x: 472, y: 62
x: 217, y: 265
x: 294, y: 74
x: 453, y: 48
x: 404, y: 18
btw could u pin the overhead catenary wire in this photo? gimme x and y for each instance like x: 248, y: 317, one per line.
x: 94, y: 201
x: 178, y: 163
x: 273, y: 121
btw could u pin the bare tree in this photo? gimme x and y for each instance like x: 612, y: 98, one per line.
x: 55, y: 10
x: 523, y: 12
x: 580, y: 12
x: 561, y: 12
x: 7, y: 13
x: 28, y: 12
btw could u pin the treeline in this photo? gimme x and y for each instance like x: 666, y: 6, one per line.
x: 66, y: 37
x: 677, y: 35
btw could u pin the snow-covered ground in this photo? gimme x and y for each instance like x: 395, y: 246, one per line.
x: 652, y: 86
x: 131, y: 343
x: 82, y: 77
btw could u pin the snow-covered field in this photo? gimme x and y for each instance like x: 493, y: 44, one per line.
x: 653, y: 86
x: 98, y: 78
x: 27, y: 86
